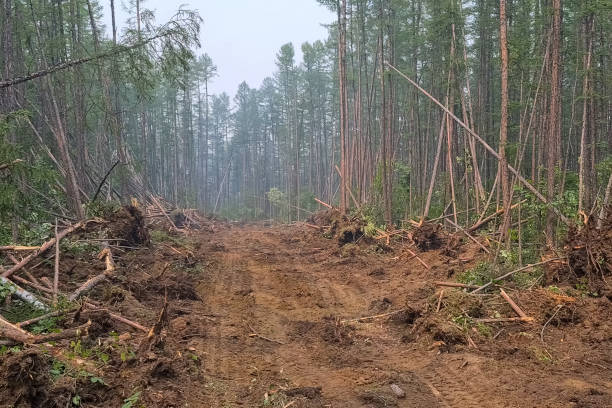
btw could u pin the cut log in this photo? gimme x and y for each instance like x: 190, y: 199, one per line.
x: 18, y: 335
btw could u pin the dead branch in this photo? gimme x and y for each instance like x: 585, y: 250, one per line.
x: 255, y: 334
x: 29, y: 322
x: 323, y: 203
x: 559, y: 307
x: 154, y: 333
x: 440, y: 300
x: 118, y: 318
x: 515, y: 307
x: 378, y: 316
x: 418, y: 258
x: 93, y: 281
x: 504, y: 320
x: 7, y: 165
x: 31, y: 284
x: 43, y: 248
x: 456, y: 285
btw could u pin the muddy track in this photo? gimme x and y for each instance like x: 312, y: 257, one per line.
x: 277, y: 294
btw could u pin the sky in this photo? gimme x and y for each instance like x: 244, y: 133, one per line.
x: 243, y: 36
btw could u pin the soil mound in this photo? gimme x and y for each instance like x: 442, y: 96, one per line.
x: 25, y: 378
x: 337, y: 226
x: 428, y: 237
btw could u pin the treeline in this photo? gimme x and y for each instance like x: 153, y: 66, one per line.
x: 539, y: 96
x: 342, y: 125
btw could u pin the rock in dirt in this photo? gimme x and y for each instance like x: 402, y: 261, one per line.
x: 399, y: 393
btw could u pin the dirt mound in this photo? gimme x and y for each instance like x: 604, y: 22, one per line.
x: 25, y: 379
x: 428, y: 236
x: 128, y: 224
x: 327, y: 218
x: 337, y: 226
x: 589, y: 252
x: 330, y: 329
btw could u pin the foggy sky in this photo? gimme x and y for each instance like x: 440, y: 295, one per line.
x: 242, y: 36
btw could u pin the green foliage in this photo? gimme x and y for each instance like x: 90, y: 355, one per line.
x: 277, y: 197
x: 131, y: 401
x: 77, y: 247
x: 58, y: 369
x: 101, y: 209
x: 4, y: 350
x: 528, y: 278
x: 18, y: 311
x: 479, y: 275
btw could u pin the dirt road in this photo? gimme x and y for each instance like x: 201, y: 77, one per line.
x: 275, y: 300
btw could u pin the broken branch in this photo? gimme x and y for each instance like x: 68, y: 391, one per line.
x: 43, y: 248
x: 515, y: 307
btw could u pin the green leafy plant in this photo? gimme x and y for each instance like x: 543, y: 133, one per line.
x: 131, y: 401
x: 479, y: 275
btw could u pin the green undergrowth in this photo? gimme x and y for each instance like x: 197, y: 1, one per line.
x: 162, y: 237
x: 485, y: 272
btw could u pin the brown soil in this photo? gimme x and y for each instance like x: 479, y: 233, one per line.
x: 268, y: 316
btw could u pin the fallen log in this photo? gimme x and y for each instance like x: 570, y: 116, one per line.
x: 43, y: 248
x: 18, y: 335
x: 323, y: 203
x: 23, y: 294
x: 491, y: 217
